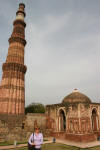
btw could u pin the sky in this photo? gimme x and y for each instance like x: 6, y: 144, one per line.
x: 63, y: 47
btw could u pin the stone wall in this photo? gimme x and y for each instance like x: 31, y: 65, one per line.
x: 19, y: 128
x: 11, y: 127
x: 34, y: 119
x: 78, y: 121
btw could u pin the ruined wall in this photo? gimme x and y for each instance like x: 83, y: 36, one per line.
x: 11, y: 127
x: 34, y: 119
x: 52, y: 117
x: 20, y: 127
x: 78, y: 121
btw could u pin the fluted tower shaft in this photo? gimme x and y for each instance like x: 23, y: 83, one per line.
x: 12, y: 88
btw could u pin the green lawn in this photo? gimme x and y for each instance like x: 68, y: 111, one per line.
x: 57, y: 146
x: 11, y: 143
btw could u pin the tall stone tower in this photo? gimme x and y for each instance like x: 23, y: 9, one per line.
x: 12, y: 87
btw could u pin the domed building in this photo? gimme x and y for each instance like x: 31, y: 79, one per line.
x: 77, y: 118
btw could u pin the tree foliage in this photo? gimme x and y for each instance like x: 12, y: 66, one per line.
x: 35, y: 108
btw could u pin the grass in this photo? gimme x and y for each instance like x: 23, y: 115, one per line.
x: 57, y: 146
x: 12, y: 143
x: 6, y: 143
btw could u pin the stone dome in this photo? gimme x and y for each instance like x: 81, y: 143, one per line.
x: 76, y: 96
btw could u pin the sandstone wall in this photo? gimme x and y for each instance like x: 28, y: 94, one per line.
x: 20, y: 127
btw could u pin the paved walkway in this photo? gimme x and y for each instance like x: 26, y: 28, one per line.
x: 20, y: 145
x: 81, y: 145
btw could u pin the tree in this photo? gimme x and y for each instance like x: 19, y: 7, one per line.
x: 35, y: 108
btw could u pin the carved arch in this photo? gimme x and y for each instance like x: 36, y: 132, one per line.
x: 94, y: 118
x: 62, y: 119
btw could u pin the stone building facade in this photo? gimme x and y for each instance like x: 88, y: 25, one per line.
x: 77, y: 118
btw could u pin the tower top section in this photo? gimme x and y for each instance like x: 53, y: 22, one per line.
x: 20, y: 14
x: 22, y: 5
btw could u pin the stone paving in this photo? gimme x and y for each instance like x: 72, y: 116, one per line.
x: 81, y: 145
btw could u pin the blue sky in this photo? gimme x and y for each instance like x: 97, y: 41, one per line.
x: 63, y: 47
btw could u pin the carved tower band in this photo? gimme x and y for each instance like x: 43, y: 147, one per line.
x: 12, y: 87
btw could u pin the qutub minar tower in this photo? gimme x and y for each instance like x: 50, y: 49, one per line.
x: 12, y: 87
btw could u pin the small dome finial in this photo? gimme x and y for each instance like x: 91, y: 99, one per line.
x: 75, y: 90
x: 21, y: 5
x: 20, y: 14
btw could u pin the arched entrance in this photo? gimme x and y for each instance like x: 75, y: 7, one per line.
x: 62, y: 120
x: 94, y: 120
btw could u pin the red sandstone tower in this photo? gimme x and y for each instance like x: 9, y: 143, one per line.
x: 12, y: 88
